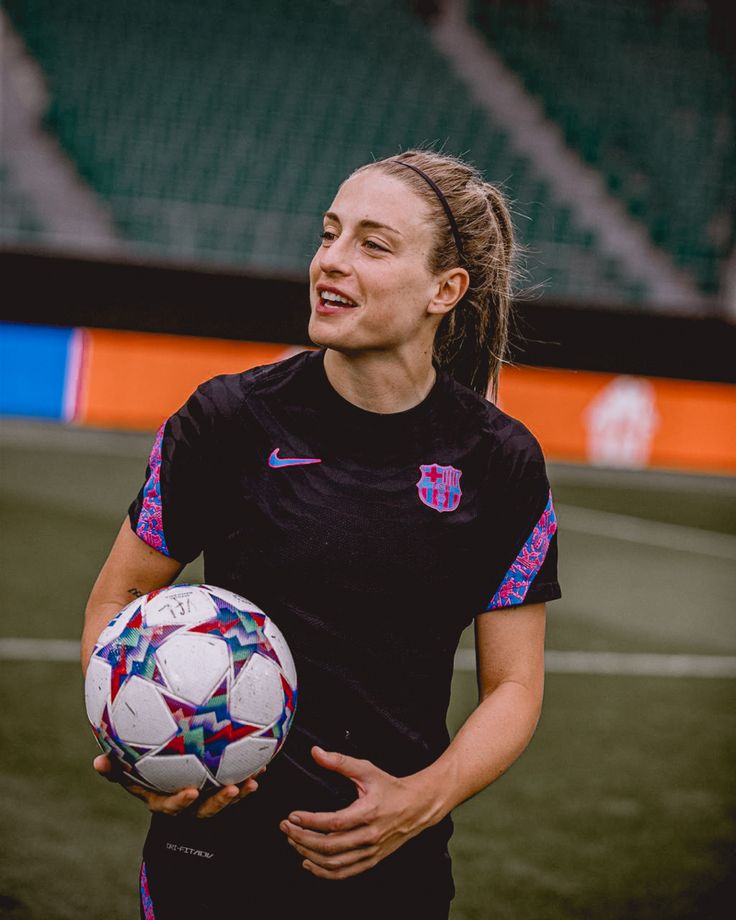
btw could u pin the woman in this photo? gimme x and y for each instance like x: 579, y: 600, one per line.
x: 375, y: 505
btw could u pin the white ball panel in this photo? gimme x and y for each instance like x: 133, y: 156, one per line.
x: 172, y: 773
x: 118, y: 623
x: 256, y: 696
x: 235, y: 600
x: 97, y: 688
x: 276, y: 638
x: 140, y: 715
x: 242, y: 758
x: 184, y: 605
x: 193, y: 664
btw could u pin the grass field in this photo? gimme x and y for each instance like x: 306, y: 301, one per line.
x: 622, y: 807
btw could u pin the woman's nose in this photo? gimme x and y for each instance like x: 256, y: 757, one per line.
x: 334, y: 259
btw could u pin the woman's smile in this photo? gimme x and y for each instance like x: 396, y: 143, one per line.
x: 332, y: 300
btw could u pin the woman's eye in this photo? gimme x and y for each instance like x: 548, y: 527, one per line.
x: 371, y: 244
x: 327, y: 236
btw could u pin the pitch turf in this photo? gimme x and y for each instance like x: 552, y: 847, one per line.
x: 622, y: 807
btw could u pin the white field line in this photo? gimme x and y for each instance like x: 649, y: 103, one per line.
x: 624, y: 663
x: 630, y: 529
x: 616, y: 663
x: 39, y: 650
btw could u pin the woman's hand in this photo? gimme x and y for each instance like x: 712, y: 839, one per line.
x: 389, y: 811
x: 176, y: 803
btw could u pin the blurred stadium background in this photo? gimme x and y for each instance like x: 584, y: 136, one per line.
x: 163, y: 169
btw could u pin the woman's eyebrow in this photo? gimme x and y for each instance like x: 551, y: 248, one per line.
x: 366, y: 224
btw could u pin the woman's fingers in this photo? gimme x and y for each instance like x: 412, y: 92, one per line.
x: 108, y: 768
x: 329, y: 845
x: 226, y: 796
x: 339, y: 862
x: 217, y: 801
x: 175, y: 803
x: 339, y: 844
x: 334, y: 855
x: 357, y: 814
x: 165, y: 804
x: 345, y: 872
x: 102, y: 764
x: 155, y: 801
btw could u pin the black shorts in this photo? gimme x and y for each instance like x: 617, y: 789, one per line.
x: 239, y: 865
x: 357, y: 899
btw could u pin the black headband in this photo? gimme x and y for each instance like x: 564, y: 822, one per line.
x: 443, y: 201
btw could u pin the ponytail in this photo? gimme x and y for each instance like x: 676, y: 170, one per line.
x: 472, y: 339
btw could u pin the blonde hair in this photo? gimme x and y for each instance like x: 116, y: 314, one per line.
x: 472, y: 339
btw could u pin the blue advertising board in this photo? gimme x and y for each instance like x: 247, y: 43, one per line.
x: 35, y: 370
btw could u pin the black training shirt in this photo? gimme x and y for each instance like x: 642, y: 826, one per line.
x: 371, y: 540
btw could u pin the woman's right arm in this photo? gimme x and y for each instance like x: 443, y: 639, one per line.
x: 132, y: 569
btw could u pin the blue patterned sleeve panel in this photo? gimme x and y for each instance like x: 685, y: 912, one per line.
x: 524, y: 569
x: 150, y: 520
x: 146, y: 902
x: 169, y: 511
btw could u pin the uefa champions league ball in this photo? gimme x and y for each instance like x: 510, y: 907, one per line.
x: 191, y: 685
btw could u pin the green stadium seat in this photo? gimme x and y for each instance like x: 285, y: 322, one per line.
x: 218, y: 132
x: 19, y: 221
x: 607, y: 72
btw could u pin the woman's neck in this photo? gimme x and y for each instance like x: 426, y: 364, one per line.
x: 380, y: 382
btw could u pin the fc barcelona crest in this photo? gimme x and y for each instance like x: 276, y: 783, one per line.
x: 439, y: 486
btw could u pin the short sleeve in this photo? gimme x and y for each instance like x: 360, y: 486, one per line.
x: 530, y: 526
x: 169, y: 512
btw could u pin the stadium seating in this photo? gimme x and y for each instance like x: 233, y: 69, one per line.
x: 220, y: 132
x: 19, y: 222
x: 641, y: 93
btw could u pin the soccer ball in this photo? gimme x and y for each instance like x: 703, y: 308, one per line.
x: 191, y: 685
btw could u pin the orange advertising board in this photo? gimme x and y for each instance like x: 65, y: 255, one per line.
x: 624, y: 420
x: 136, y: 380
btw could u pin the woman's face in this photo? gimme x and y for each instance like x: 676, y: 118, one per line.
x: 375, y: 251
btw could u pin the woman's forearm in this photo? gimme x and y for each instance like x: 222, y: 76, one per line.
x: 131, y: 570
x: 490, y: 740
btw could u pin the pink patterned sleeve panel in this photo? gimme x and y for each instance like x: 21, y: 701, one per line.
x: 516, y: 582
x: 146, y: 902
x: 150, y: 526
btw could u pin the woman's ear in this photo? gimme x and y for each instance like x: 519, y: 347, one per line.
x: 451, y: 288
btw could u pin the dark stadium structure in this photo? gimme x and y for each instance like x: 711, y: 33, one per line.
x: 644, y: 91
x: 216, y: 136
x: 155, y: 297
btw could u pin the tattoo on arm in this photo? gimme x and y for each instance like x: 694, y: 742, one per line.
x: 135, y: 592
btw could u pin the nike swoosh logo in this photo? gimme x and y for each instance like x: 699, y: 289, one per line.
x: 275, y: 461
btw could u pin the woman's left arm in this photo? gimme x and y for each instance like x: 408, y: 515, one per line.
x: 390, y: 810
